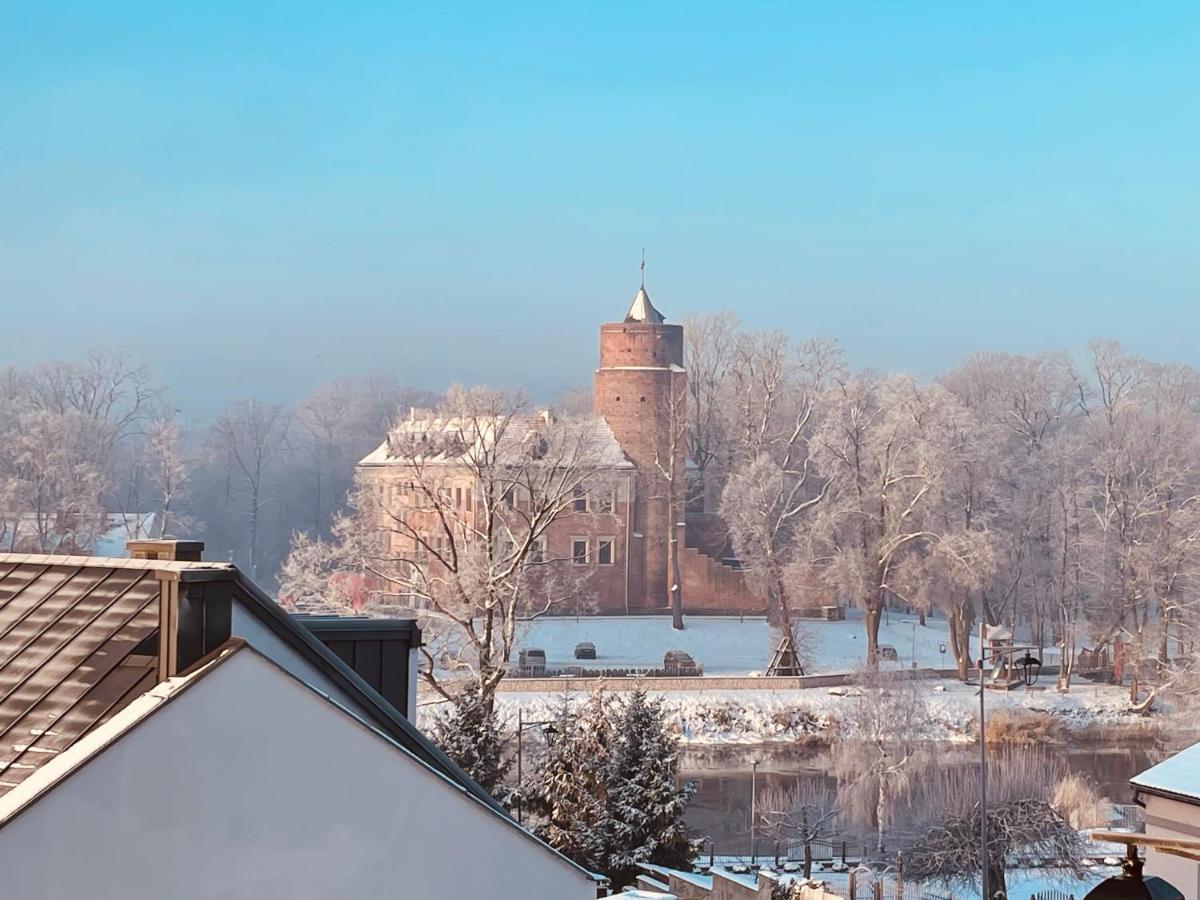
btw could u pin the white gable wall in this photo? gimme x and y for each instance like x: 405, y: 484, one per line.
x: 249, y: 785
x: 1166, y: 818
x: 251, y: 629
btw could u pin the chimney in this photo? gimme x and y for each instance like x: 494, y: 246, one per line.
x: 182, y: 551
x: 195, y: 606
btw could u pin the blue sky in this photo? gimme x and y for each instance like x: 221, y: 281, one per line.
x: 257, y: 197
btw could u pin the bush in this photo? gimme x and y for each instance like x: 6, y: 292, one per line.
x: 1077, y: 800
x: 1024, y: 728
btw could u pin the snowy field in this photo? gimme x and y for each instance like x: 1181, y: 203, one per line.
x: 732, y: 646
x: 754, y: 717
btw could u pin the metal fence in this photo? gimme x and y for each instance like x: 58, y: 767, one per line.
x: 605, y: 672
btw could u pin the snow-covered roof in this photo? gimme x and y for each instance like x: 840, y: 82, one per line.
x: 1177, y: 777
x: 697, y: 879
x: 452, y: 441
x: 642, y: 310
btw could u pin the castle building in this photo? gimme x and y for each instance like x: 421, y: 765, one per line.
x: 622, y: 532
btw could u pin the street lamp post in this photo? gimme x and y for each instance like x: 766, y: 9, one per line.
x: 549, y: 731
x: 983, y: 846
x: 753, y: 809
x: 1030, y: 666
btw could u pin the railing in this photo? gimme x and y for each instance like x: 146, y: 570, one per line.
x: 1052, y: 895
x: 605, y: 672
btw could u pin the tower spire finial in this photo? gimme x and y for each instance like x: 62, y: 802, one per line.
x: 643, y: 268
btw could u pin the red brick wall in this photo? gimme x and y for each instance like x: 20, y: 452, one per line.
x: 710, y: 586
x: 633, y: 392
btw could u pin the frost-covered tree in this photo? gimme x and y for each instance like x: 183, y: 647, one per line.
x: 772, y: 489
x: 471, y: 734
x: 805, y: 811
x: 646, y: 804
x: 570, y: 793
x: 606, y: 794
x: 886, y: 452
x: 878, y: 748
x: 457, y: 531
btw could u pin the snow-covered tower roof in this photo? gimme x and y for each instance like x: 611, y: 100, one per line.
x: 642, y: 310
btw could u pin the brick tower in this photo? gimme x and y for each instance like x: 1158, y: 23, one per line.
x: 640, y: 391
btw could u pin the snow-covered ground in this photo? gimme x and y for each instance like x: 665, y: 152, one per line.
x: 733, y: 646
x: 707, y: 717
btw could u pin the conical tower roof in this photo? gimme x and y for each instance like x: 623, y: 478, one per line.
x: 642, y: 310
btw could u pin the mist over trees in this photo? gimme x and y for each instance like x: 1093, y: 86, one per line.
x: 1060, y: 496
x: 83, y: 441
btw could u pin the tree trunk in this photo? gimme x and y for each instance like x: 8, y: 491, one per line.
x: 253, y: 532
x: 873, y: 616
x: 676, y: 586
x: 996, y: 880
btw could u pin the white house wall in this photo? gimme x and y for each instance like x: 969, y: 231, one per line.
x: 1171, y: 818
x: 249, y: 785
x: 251, y: 629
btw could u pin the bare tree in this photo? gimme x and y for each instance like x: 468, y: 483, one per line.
x: 671, y: 462
x: 1020, y: 820
x: 251, y: 435
x: 455, y: 525
x: 878, y: 748
x: 885, y: 451
x: 778, y: 388
x: 804, y: 811
x: 708, y: 355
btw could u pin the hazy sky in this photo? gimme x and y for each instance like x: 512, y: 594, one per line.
x: 256, y: 197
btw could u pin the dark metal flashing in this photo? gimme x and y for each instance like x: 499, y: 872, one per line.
x: 1139, y: 789
x: 362, y: 627
x: 380, y: 651
x: 194, y: 576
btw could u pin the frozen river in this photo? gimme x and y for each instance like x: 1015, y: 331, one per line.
x: 721, y: 807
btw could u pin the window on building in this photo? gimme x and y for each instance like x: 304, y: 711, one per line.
x: 579, y: 551
x: 458, y: 498
x: 537, y: 550
x: 604, y: 551
x: 509, y: 497
x: 580, y: 503
x: 604, y: 501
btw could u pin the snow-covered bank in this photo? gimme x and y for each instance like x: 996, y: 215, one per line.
x: 755, y: 717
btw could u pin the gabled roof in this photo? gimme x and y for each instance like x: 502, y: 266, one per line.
x: 159, y: 695
x: 78, y: 647
x: 68, y: 640
x: 84, y: 747
x: 70, y: 630
x: 1177, y: 778
x: 585, y: 441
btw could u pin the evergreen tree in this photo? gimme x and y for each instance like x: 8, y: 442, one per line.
x: 471, y: 735
x: 606, y: 792
x: 646, y: 807
x: 571, y: 790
